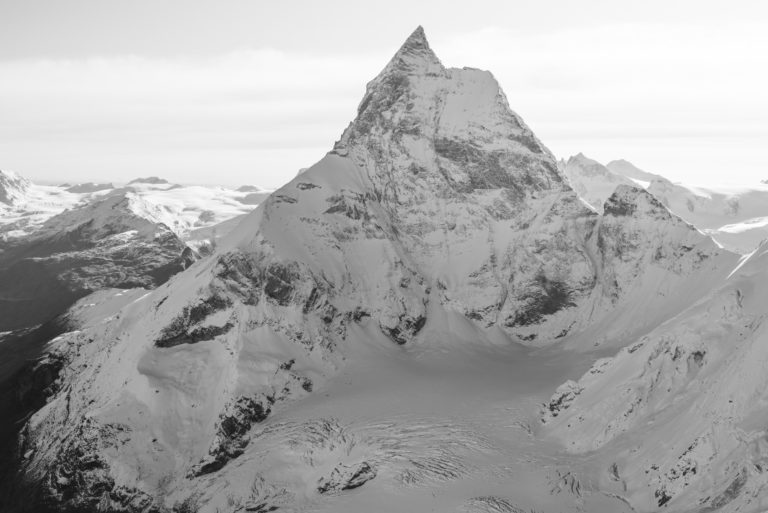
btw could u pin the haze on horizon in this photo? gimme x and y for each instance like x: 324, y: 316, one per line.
x: 237, y: 91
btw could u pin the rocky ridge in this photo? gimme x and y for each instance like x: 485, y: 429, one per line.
x: 117, y: 241
x: 12, y: 187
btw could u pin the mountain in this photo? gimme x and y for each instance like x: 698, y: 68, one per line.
x: 592, y: 181
x: 117, y: 241
x: 253, y: 198
x: 187, y: 208
x: 12, y: 187
x: 81, y: 188
x: 372, y: 333
x: 736, y: 217
x: 681, y: 412
x: 153, y: 180
x: 629, y: 170
x: 249, y: 188
x: 191, y: 207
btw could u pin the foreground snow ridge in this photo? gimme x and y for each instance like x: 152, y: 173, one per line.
x: 381, y: 333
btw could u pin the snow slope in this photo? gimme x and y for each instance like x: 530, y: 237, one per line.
x: 377, y: 331
x: 679, y: 415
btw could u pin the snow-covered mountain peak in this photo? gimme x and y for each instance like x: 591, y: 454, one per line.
x: 591, y: 167
x: 593, y: 181
x: 580, y: 157
x: 445, y: 128
x: 628, y: 169
x: 117, y: 212
x: 414, y: 56
x: 628, y: 200
x: 12, y: 187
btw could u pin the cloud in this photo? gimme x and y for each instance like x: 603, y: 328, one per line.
x: 685, y: 100
x: 178, y: 113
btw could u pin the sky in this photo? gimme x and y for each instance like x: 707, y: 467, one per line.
x: 239, y: 92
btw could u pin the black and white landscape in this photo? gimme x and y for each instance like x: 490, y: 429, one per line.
x: 438, y: 315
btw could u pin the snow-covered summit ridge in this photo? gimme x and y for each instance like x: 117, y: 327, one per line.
x: 123, y: 208
x: 183, y: 208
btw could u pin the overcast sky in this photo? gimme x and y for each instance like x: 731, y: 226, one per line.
x: 249, y: 91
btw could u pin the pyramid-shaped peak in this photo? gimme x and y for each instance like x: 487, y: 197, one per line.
x: 417, y: 40
x: 415, y: 55
x: 581, y: 158
x: 628, y: 200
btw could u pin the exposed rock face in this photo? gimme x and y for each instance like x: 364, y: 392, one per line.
x: 347, y: 478
x: 437, y: 198
x: 112, y: 242
x: 12, y: 187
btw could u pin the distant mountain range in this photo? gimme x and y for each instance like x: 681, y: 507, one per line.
x: 737, y: 218
x: 61, y: 243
